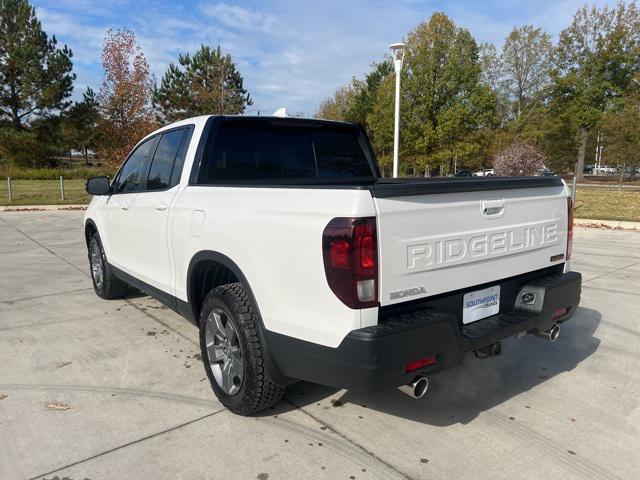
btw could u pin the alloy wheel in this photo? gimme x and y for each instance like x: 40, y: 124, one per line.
x: 97, y: 265
x: 223, y: 351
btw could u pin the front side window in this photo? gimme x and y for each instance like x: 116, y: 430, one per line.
x: 131, y: 174
x: 163, y: 160
x: 268, y: 150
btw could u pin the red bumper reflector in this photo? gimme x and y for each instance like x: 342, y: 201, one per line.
x: 418, y: 364
x: 559, y: 313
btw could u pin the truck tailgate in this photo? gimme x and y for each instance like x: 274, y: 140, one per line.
x: 437, y: 237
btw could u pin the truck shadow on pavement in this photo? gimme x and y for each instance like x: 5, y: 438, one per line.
x: 460, y: 394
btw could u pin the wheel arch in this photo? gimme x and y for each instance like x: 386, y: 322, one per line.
x: 89, y: 229
x: 218, y: 269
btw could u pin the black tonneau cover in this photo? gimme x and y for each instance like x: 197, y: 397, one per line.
x: 402, y: 187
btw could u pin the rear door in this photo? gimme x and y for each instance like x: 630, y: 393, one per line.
x: 150, y: 210
x: 432, y: 243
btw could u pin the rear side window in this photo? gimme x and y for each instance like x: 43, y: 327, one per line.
x: 131, y: 174
x: 182, y: 153
x: 263, y: 150
x: 162, y: 166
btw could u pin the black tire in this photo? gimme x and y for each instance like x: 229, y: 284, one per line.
x: 257, y: 390
x: 110, y: 286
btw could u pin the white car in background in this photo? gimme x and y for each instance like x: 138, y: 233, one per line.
x: 604, y: 170
x: 487, y: 172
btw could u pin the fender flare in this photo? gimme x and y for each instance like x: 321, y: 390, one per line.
x: 235, y: 269
x: 88, y: 222
x: 223, y: 260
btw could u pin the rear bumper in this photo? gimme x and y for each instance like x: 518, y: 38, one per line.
x: 374, y: 358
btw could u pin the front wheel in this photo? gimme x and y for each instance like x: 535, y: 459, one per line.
x: 233, y: 353
x: 105, y: 283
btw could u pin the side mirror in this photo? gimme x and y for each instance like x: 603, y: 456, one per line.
x: 98, y: 186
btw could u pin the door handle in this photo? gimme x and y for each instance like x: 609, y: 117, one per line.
x: 161, y: 206
x: 492, y: 208
x: 124, y: 206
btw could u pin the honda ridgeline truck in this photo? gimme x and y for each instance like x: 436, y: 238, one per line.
x: 280, y: 240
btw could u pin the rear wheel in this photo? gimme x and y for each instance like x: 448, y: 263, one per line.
x: 105, y: 283
x: 233, y: 353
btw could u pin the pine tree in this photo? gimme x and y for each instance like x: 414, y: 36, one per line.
x: 207, y: 82
x: 79, y: 125
x: 35, y: 75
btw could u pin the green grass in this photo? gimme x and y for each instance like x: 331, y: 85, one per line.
x: 608, y: 204
x: 43, y: 192
x: 597, y: 204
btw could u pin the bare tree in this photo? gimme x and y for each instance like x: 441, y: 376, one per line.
x: 520, y: 74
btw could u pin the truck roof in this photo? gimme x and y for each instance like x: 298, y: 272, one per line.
x: 293, y: 120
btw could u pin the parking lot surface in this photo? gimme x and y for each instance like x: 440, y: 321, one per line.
x: 115, y: 389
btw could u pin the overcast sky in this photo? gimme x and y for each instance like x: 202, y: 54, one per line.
x: 291, y: 53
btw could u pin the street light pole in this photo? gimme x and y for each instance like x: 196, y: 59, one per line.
x: 397, y: 51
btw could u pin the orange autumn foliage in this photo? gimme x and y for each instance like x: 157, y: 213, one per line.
x: 124, y: 98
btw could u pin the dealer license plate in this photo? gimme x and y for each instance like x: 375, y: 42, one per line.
x: 480, y: 304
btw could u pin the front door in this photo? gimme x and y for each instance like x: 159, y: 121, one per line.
x: 126, y: 187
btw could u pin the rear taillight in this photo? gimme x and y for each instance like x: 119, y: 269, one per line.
x: 350, y: 253
x: 569, y: 227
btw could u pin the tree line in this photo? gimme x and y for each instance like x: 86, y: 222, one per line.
x: 39, y: 122
x: 470, y: 105
x: 463, y: 104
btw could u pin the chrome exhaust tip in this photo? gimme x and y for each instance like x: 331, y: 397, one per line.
x: 416, y: 388
x: 552, y: 334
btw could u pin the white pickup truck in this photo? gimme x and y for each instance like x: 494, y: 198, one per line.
x: 280, y: 240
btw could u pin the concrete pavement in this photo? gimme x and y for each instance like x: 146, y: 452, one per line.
x: 115, y: 389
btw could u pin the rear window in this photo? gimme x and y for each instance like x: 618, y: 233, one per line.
x: 266, y: 150
x: 163, y: 160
